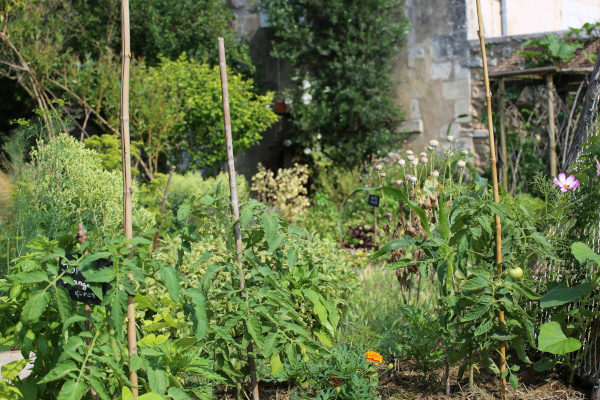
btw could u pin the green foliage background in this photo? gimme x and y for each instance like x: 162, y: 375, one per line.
x: 345, y: 51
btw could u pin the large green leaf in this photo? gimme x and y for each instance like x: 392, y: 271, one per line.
x: 98, y: 387
x: 271, y: 226
x: 72, y: 390
x: 30, y: 277
x: 171, y: 279
x: 35, y: 306
x: 397, y: 194
x: 544, y: 364
x: 178, y: 394
x: 63, y: 301
x: 553, y: 340
x: 560, y: 295
x: 582, y: 253
x: 276, y: 364
x: 102, y: 275
x: 158, y: 380
x: 11, y: 370
x: 58, y: 372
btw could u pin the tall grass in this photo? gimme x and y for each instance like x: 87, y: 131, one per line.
x: 373, y: 316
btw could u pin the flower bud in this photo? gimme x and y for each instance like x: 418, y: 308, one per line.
x: 303, y: 351
x: 429, y: 148
x: 410, y: 157
x: 399, y: 182
x: 450, y: 138
x: 378, y: 167
x: 464, y: 152
x: 390, y: 366
x: 402, y: 162
x: 414, y: 163
x: 460, y: 164
x: 424, y: 160
x: 317, y: 351
x: 423, y: 154
x: 305, y: 358
x: 434, y: 143
x: 409, y: 152
x: 382, y: 174
x: 338, y: 389
x: 435, y: 173
x: 413, y: 179
x: 407, y: 176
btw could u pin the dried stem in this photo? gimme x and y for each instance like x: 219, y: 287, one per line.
x: 488, y: 96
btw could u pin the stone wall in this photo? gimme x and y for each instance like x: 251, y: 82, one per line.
x: 435, y: 85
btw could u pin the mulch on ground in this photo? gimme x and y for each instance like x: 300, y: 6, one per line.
x: 407, y: 383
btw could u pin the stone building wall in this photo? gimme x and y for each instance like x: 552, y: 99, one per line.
x: 435, y: 83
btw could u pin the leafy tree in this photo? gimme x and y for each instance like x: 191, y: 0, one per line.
x: 175, y: 108
x: 343, y: 52
x: 54, y: 49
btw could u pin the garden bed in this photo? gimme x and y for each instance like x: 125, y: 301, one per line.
x: 407, y: 383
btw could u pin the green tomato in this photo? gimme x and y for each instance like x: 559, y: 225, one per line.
x: 516, y: 273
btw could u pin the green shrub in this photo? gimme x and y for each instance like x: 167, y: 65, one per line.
x: 63, y: 185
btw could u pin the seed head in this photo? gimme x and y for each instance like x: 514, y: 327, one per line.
x: 424, y: 160
x: 414, y: 162
x: 435, y: 173
x: 450, y: 138
x: 402, y: 162
x: 378, y: 167
x: 461, y: 164
x: 434, y: 143
x: 413, y: 179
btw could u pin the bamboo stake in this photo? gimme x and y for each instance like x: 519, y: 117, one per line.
x: 551, y: 129
x: 162, y: 208
x: 234, y: 197
x: 488, y: 96
x: 502, y: 111
x: 127, y: 184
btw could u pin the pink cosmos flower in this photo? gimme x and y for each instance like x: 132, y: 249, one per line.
x: 566, y: 183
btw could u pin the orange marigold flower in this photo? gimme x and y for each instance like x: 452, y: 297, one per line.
x: 336, y: 381
x: 374, y: 356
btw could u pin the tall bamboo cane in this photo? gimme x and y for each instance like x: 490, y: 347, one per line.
x: 488, y: 96
x: 127, y: 184
x: 234, y: 197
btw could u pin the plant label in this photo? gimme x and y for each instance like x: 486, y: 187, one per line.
x: 374, y: 200
x: 80, y: 291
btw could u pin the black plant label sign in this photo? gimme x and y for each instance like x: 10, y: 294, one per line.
x: 374, y: 200
x: 81, y: 291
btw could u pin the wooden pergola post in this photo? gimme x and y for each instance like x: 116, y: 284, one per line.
x: 551, y: 128
x: 502, y: 112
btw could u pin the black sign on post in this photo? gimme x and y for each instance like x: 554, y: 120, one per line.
x: 374, y: 200
x: 81, y: 290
